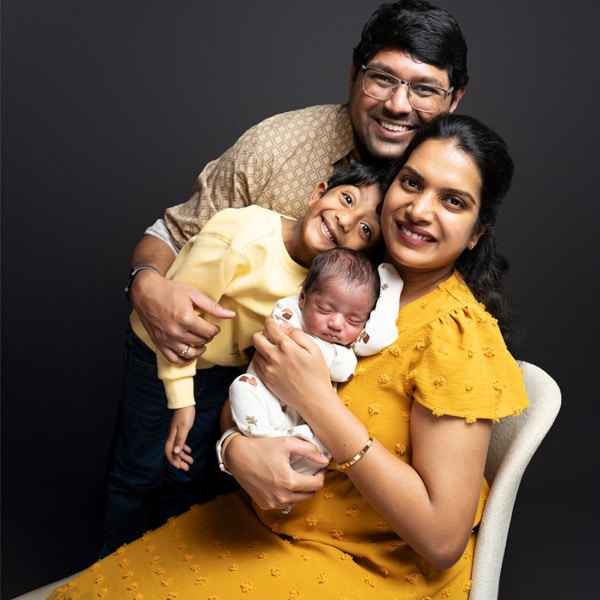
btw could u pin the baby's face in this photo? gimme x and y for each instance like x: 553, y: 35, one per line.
x: 337, y: 313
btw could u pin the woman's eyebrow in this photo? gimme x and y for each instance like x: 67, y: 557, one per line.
x: 449, y: 190
x: 461, y: 193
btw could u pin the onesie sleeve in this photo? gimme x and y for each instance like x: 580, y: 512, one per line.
x: 462, y: 368
x: 341, y: 362
x: 380, y: 330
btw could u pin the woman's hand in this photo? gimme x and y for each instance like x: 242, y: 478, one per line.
x: 262, y: 467
x: 284, y: 357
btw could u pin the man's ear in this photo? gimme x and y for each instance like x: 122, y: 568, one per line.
x: 456, y: 96
x: 352, y: 77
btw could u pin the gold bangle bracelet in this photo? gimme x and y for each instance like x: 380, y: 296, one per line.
x: 343, y: 466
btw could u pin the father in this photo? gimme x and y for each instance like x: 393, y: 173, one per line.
x: 410, y: 65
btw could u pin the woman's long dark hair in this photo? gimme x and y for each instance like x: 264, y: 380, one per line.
x: 483, y: 268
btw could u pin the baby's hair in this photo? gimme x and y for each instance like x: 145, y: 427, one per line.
x: 350, y: 266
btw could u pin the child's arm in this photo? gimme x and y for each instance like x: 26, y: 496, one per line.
x: 176, y: 450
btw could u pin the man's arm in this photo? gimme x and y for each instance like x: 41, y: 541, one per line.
x: 243, y: 175
x: 166, y: 307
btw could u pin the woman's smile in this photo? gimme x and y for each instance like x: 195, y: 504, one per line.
x: 414, y: 235
x: 430, y: 212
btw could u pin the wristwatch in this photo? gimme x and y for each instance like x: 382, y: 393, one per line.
x: 133, y: 272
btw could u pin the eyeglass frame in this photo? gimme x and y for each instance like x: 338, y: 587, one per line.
x: 396, y: 87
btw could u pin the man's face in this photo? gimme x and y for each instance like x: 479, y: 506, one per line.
x: 384, y: 127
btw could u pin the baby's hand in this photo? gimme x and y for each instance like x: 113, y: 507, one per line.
x: 178, y: 453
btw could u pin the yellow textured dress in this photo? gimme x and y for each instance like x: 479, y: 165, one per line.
x: 450, y: 357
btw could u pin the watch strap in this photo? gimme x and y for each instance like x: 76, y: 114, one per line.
x: 134, y: 271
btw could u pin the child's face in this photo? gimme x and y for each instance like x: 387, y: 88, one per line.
x: 337, y: 313
x: 345, y: 215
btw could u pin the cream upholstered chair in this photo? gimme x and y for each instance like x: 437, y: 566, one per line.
x: 514, y: 442
x: 42, y: 593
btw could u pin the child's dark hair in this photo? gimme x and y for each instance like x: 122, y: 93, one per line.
x: 363, y: 173
x: 351, y: 266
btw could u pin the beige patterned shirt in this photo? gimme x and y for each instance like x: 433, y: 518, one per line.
x: 275, y: 164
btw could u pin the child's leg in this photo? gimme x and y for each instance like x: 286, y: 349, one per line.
x: 138, y: 460
x: 143, y: 489
x: 256, y: 411
x: 204, y: 480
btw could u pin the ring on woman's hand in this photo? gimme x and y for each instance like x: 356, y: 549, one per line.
x: 185, y: 350
x: 287, y: 509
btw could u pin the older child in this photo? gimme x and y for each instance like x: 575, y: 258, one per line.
x: 244, y: 259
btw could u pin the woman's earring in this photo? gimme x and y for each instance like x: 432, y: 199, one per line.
x: 471, y: 245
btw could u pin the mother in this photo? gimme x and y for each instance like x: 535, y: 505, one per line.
x: 395, y: 514
x: 429, y: 399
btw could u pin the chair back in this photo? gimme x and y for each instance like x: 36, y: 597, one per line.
x: 513, y: 444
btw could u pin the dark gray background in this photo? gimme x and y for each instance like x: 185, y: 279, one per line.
x: 109, y: 110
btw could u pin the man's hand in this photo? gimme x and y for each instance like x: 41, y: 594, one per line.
x: 169, y: 310
x: 169, y: 313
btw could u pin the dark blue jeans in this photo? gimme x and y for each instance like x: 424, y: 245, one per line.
x: 143, y: 489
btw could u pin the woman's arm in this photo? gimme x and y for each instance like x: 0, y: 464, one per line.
x: 430, y: 503
x: 262, y: 467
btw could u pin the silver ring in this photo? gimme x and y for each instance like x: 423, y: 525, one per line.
x: 185, y: 350
x: 287, y: 509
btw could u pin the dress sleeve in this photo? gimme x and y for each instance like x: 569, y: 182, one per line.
x: 462, y: 368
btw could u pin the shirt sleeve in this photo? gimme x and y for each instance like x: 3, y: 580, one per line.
x: 159, y: 230
x: 233, y: 180
x: 462, y: 368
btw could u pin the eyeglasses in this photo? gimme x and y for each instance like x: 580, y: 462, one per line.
x: 421, y: 96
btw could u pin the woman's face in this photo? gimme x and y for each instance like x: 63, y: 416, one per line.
x: 430, y: 212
